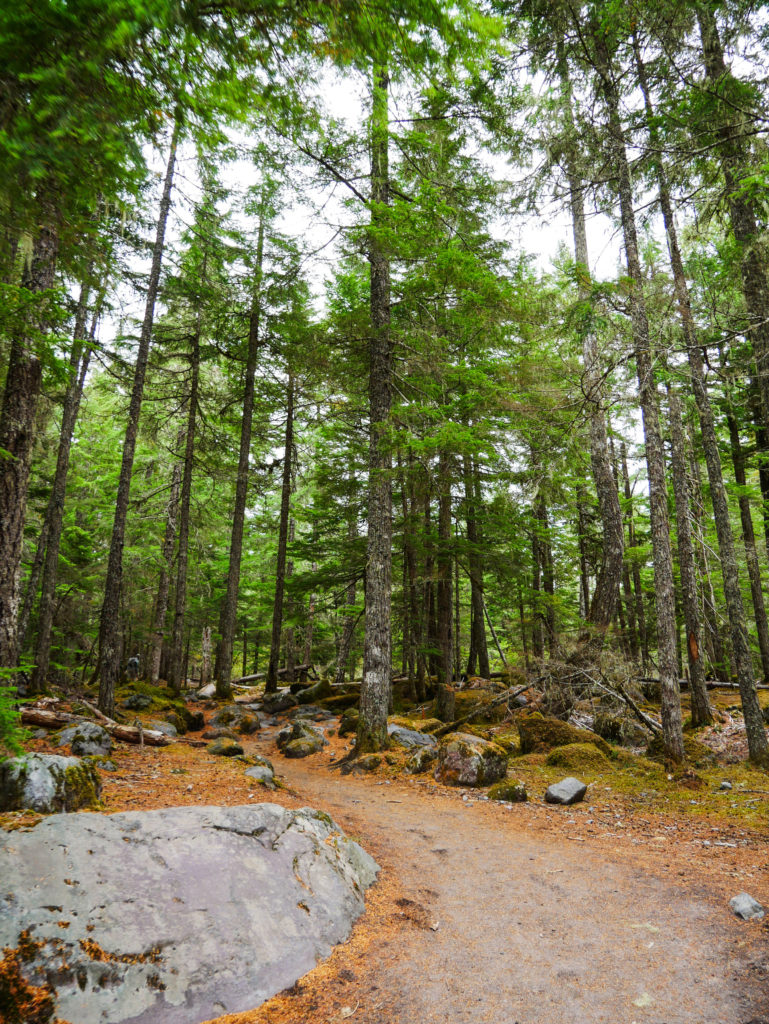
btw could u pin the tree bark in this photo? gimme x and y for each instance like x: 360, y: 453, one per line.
x: 377, y: 654
x: 640, y: 611
x: 478, y: 644
x: 229, y: 609
x: 606, y: 595
x: 109, y: 625
x: 663, y: 561
x: 701, y: 712
x: 81, y: 355
x: 757, y: 744
x: 175, y: 675
x: 444, y: 704
x: 280, y: 569
x: 164, y: 583
x: 17, y: 427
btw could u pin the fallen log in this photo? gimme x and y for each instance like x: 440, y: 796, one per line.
x: 46, y: 719
x: 282, y: 673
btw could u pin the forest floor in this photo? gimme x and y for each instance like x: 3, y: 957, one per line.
x: 613, y: 910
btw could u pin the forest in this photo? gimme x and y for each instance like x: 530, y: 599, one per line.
x: 289, y: 391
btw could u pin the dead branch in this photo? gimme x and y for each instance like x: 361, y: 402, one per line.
x: 481, y: 706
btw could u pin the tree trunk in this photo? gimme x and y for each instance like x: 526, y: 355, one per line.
x: 205, y: 656
x: 164, y: 583
x: 606, y: 595
x: 635, y: 572
x: 290, y: 648
x: 175, y: 675
x: 377, y: 654
x: 229, y: 609
x: 757, y: 744
x: 663, y: 561
x: 701, y: 712
x: 81, y: 354
x: 444, y: 704
x: 17, y: 428
x: 478, y: 644
x: 280, y: 569
x: 109, y: 626
x: 749, y: 540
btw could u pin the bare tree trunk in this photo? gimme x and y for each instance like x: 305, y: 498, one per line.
x: 182, y: 558
x: 280, y: 568
x: 17, y: 428
x: 757, y: 744
x: 229, y: 609
x: 663, y: 561
x: 444, y: 704
x: 308, y: 633
x: 643, y: 634
x: 749, y: 540
x: 478, y: 644
x: 289, y: 645
x: 606, y: 595
x: 205, y: 655
x: 377, y: 655
x: 81, y: 354
x: 109, y: 636
x: 164, y: 583
x: 701, y: 712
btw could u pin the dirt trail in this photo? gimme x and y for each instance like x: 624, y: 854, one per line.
x: 532, y: 929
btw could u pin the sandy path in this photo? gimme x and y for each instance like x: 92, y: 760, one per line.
x: 532, y: 929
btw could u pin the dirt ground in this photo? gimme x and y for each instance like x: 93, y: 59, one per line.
x: 517, y: 914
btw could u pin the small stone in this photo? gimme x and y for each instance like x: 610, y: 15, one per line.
x: 509, y: 791
x: 206, y: 691
x: 262, y: 774
x: 725, y: 786
x: 746, y: 908
x: 567, y: 791
x: 137, y: 702
x: 165, y: 727
x: 423, y: 759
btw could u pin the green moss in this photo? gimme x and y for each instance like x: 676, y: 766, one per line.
x: 508, y: 791
x: 539, y: 734
x: 508, y: 740
x: 696, y: 753
x: 578, y: 757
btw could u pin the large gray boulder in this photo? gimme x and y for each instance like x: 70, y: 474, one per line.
x: 86, y: 739
x: 467, y: 760
x: 48, y: 783
x: 410, y: 738
x: 178, y: 915
x: 300, y: 739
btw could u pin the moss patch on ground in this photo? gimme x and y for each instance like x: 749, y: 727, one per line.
x: 578, y: 757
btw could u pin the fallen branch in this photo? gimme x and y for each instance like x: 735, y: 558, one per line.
x: 618, y: 691
x: 59, y: 719
x: 481, y: 706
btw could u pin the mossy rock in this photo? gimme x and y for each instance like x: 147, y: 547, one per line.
x: 619, y: 728
x: 508, y: 791
x: 177, y: 721
x: 224, y: 747
x: 467, y: 760
x: 540, y: 735
x: 403, y: 722
x: 430, y: 725
x: 422, y: 760
x: 349, y: 722
x: 318, y: 691
x: 247, y: 725
x: 466, y: 700
x: 48, y: 783
x: 578, y: 757
x: 367, y: 763
x: 696, y: 753
x: 508, y: 740
x: 301, y: 747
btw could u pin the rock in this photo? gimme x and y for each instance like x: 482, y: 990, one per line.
x: 466, y: 700
x: 509, y: 791
x: 272, y: 703
x: 224, y: 747
x: 107, y: 765
x: 165, y: 727
x: 427, y: 724
x: 181, y: 914
x: 312, y: 711
x: 209, y: 690
x: 539, y: 735
x: 765, y: 713
x: 567, y: 791
x: 213, y: 733
x: 86, y: 739
x: 318, y: 691
x: 300, y: 740
x: 178, y: 720
x: 578, y: 757
x: 410, y: 738
x: 349, y: 722
x: 696, y: 753
x: 137, y: 702
x: 196, y: 721
x: 262, y: 773
x: 746, y: 908
x: 367, y: 763
x: 466, y: 760
x: 422, y: 760
x: 617, y: 727
x: 340, y: 701
x: 725, y: 786
x: 48, y: 783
